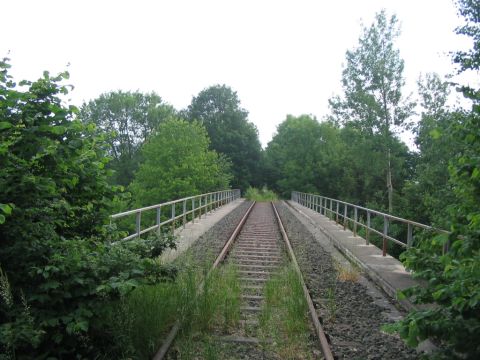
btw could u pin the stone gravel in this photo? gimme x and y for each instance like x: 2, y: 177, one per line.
x: 204, y: 250
x: 351, y: 317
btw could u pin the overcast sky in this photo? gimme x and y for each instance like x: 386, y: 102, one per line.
x: 282, y: 57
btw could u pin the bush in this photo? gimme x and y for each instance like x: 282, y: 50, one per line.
x: 264, y: 194
x: 60, y: 267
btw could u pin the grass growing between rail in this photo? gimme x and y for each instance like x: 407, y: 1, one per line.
x: 284, y: 316
x: 262, y: 194
x: 142, y: 319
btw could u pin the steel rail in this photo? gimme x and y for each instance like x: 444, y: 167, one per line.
x: 176, y: 327
x: 324, y: 345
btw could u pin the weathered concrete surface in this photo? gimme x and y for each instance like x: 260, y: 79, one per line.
x: 193, y: 230
x: 387, y: 272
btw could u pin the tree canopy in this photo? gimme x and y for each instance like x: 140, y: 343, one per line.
x: 58, y: 271
x: 218, y: 109
x: 126, y: 119
x: 372, y: 82
x: 452, y: 278
x: 178, y: 163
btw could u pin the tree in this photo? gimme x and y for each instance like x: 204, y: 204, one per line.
x: 218, y: 109
x: 126, y: 119
x: 177, y: 163
x: 430, y: 188
x: 452, y: 279
x: 303, y: 156
x: 372, y: 82
x: 58, y: 270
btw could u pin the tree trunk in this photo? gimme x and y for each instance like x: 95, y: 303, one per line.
x: 389, y: 183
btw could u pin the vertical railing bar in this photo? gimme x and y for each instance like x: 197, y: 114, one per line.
x: 367, y: 233
x: 184, y: 213
x: 385, y: 233
x: 355, y: 220
x: 410, y: 235
x: 138, y: 223
x: 173, y: 218
x: 159, y: 219
x: 336, y: 213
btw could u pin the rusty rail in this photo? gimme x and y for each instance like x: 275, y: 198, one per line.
x: 324, y: 345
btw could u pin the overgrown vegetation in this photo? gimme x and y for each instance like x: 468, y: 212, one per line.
x: 63, y: 172
x: 263, y: 194
x: 215, y: 305
x: 59, y: 269
x: 284, y: 316
x: 452, y: 290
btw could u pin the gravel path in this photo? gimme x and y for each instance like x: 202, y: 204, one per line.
x: 351, y: 316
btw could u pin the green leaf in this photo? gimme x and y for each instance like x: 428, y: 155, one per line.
x: 435, y: 134
x: 5, y: 125
x: 58, y: 130
x: 7, y: 209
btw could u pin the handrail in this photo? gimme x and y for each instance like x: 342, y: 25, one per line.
x: 206, y: 202
x: 332, y: 207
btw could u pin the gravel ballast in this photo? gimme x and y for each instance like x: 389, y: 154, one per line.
x: 204, y: 250
x: 350, y: 311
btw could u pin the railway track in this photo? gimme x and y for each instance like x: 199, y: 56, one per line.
x: 259, y: 249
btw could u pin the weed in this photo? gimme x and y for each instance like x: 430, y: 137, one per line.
x: 346, y: 272
x: 331, y: 304
x: 263, y: 194
x: 284, y: 315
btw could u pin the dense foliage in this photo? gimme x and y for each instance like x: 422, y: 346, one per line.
x: 340, y: 162
x: 178, y: 163
x: 60, y: 275
x: 372, y: 82
x: 452, y: 290
x: 58, y: 267
x: 125, y: 119
x: 218, y: 109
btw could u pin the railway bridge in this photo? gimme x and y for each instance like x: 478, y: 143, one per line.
x: 339, y: 255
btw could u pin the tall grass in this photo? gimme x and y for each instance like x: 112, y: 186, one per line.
x: 141, y: 320
x: 284, y: 315
x: 263, y: 194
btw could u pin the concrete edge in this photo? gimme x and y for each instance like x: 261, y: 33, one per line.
x: 189, y: 234
x: 372, y: 274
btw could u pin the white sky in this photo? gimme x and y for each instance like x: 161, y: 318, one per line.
x: 282, y: 57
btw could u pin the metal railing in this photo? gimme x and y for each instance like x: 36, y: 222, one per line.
x: 178, y: 210
x: 362, y: 217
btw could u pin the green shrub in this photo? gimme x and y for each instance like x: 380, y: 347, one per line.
x: 60, y: 268
x: 263, y: 194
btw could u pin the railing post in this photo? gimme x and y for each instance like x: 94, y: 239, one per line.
x: 355, y: 220
x: 200, y: 208
x: 193, y: 210
x: 336, y: 213
x: 184, y: 213
x: 173, y: 218
x: 367, y: 230
x: 385, y: 233
x: 138, y: 222
x: 345, y: 215
x: 159, y: 219
x: 410, y: 235
x: 331, y: 208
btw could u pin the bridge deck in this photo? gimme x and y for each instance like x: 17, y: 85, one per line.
x: 387, y: 272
